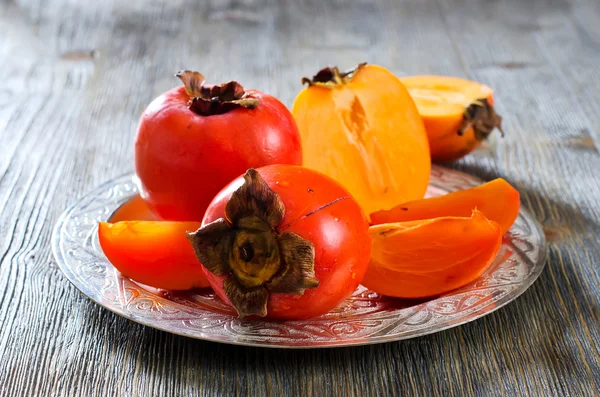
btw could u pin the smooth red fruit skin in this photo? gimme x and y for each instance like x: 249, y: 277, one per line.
x: 318, y: 209
x: 184, y: 159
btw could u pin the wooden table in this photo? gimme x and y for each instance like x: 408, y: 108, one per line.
x: 75, y: 76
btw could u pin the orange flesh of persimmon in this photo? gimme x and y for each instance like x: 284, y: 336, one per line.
x: 425, y: 258
x: 157, y: 254
x: 367, y: 135
x: 497, y: 200
x: 442, y: 101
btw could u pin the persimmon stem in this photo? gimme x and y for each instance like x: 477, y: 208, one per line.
x: 482, y: 117
x: 331, y: 76
x: 208, y: 100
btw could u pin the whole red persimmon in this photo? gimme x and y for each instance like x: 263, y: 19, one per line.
x: 283, y: 242
x: 196, y: 138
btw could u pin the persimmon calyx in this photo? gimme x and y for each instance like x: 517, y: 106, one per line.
x: 481, y: 116
x: 331, y: 76
x: 246, y: 247
x: 208, y: 100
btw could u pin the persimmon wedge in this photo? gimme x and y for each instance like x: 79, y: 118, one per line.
x: 362, y: 129
x: 497, y: 200
x: 157, y: 254
x: 134, y: 209
x: 420, y: 259
x: 458, y: 114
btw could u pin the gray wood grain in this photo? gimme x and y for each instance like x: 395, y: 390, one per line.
x: 74, y: 77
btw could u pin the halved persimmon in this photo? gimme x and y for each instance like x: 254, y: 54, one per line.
x: 458, y: 114
x: 497, y: 200
x: 157, y: 254
x: 425, y: 258
x: 362, y: 129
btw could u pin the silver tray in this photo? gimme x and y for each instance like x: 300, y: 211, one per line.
x: 364, y: 318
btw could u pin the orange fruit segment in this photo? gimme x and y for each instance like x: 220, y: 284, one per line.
x: 419, y: 259
x: 134, y: 209
x: 497, y: 200
x: 157, y: 254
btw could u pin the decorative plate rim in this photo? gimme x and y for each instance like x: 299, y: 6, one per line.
x: 536, y: 267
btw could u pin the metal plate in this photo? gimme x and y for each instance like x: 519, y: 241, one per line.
x: 364, y: 318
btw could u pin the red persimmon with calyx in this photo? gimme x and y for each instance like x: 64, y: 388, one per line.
x: 283, y: 242
x: 194, y: 139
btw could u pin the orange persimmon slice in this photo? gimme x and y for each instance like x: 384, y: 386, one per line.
x: 157, y: 254
x: 497, y: 200
x: 458, y: 114
x: 425, y: 258
x: 362, y: 129
x: 134, y: 209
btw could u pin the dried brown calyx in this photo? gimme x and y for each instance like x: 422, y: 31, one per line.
x: 246, y: 247
x: 209, y: 100
x: 482, y: 117
x: 331, y: 76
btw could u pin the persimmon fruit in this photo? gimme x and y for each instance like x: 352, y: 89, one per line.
x: 458, y: 114
x: 196, y: 138
x: 425, y: 258
x: 497, y: 200
x: 156, y: 254
x: 363, y: 129
x: 283, y: 242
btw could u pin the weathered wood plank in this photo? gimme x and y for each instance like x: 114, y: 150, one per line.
x: 75, y: 76
x: 550, y: 156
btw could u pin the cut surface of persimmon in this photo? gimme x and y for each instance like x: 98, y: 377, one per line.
x: 157, y: 254
x: 497, y: 200
x: 420, y: 259
x: 458, y: 114
x: 362, y: 129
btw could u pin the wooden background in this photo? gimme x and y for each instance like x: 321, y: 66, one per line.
x: 75, y: 75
